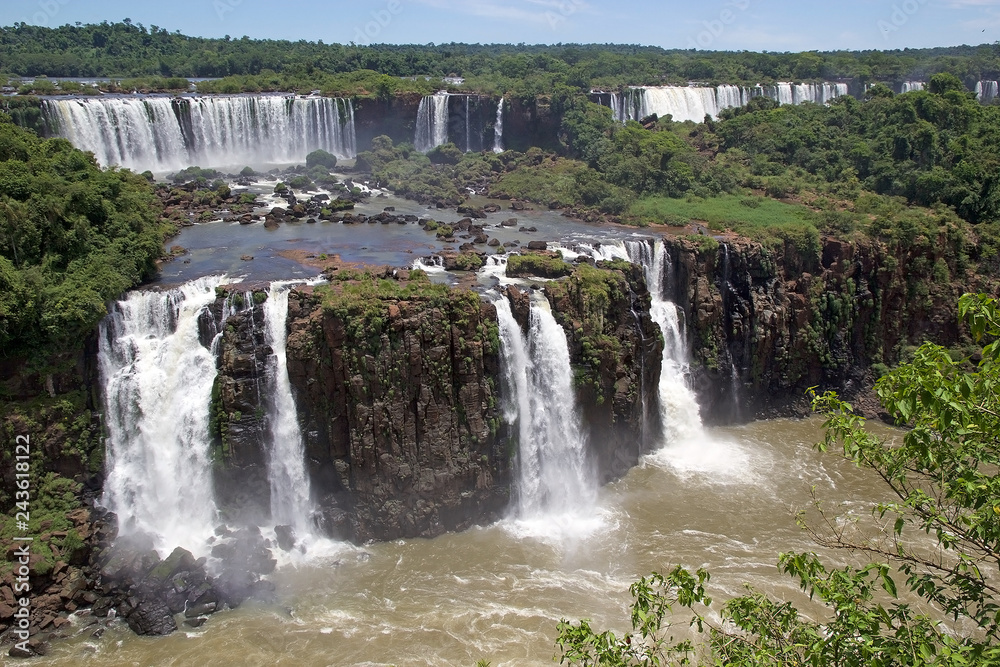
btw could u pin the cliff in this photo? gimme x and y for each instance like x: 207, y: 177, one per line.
x: 398, y: 400
x: 767, y: 323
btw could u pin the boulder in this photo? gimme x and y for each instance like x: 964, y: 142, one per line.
x: 147, y: 616
x: 286, y: 537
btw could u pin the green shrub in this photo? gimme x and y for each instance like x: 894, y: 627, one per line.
x: 321, y: 158
x: 541, y: 266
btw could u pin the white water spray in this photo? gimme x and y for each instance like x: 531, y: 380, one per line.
x: 432, y: 122
x: 164, y: 133
x: 556, y: 489
x: 679, y: 412
x: 158, y: 381
x: 498, y: 129
x: 291, y: 503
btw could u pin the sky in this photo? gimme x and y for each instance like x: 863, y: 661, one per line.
x: 753, y: 25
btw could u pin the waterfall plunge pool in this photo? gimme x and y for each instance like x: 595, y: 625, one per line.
x: 726, y: 503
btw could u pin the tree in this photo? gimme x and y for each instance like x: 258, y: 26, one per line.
x: 944, y: 484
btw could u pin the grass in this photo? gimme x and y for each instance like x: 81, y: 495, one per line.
x: 768, y: 221
x: 721, y: 213
x: 541, y: 266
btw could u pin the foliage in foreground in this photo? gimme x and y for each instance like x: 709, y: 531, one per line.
x: 944, y: 484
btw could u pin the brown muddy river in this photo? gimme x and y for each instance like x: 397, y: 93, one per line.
x: 496, y: 593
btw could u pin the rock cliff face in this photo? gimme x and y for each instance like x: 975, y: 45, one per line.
x: 766, y: 324
x: 239, y: 403
x: 398, y: 400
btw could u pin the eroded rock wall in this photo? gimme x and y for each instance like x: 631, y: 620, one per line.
x: 766, y: 324
x: 399, y: 406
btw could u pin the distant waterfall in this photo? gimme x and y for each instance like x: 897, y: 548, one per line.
x: 162, y: 133
x: 158, y: 378
x: 693, y: 103
x: 498, y: 129
x: 679, y: 411
x: 432, y: 122
x: 286, y: 468
x: 468, y: 125
x: 910, y: 86
x: 986, y: 91
x: 800, y: 93
x: 555, y: 483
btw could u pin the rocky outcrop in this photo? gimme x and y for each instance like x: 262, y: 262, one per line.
x: 767, y: 323
x: 397, y: 395
x: 239, y: 404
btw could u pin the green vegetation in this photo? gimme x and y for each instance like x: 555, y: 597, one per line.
x: 126, y: 49
x: 594, y: 292
x: 321, y: 158
x: 940, y: 481
x: 538, y: 265
x: 72, y: 237
x: 52, y: 500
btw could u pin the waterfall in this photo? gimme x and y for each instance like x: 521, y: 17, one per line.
x: 432, y: 122
x: 910, y: 86
x: 498, y: 129
x: 679, y: 412
x: 158, y: 378
x: 726, y: 288
x: 693, y: 103
x: 468, y: 130
x: 986, y: 91
x: 290, y: 495
x: 163, y: 134
x: 555, y: 483
x: 429, y: 265
x: 682, y: 103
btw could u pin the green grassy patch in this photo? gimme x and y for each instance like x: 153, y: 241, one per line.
x: 768, y: 221
x: 541, y: 266
x: 721, y: 213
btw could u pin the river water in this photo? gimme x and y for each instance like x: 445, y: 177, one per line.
x: 218, y: 247
x: 725, y: 502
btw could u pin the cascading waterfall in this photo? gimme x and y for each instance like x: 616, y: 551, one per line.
x: 163, y: 133
x: 432, y: 122
x: 498, y: 129
x: 556, y: 488
x: 679, y: 413
x: 910, y: 86
x: 693, y: 103
x: 468, y: 129
x: 726, y: 288
x: 158, y: 379
x: 291, y: 503
x: 986, y: 91
x: 429, y: 265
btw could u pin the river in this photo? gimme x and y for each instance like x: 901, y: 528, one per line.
x: 726, y: 502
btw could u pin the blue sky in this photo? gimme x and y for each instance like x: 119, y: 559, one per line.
x: 755, y: 25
